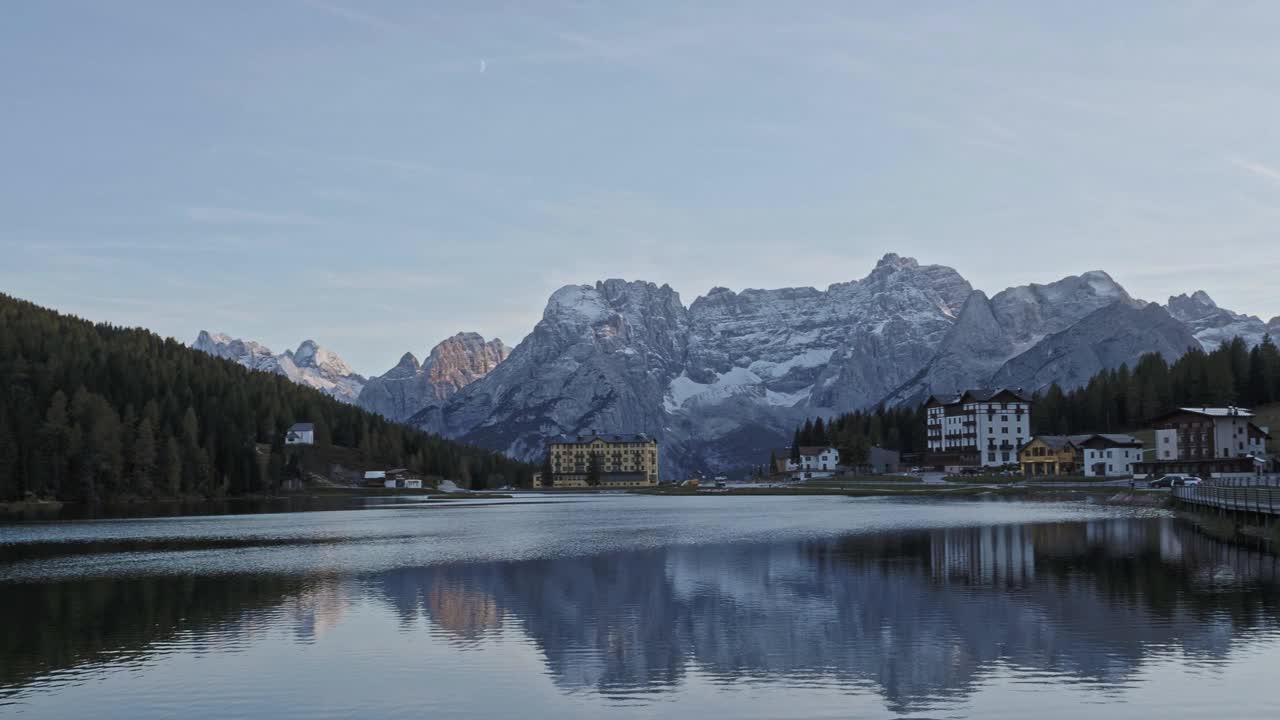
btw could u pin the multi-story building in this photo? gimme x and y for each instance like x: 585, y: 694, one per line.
x: 1095, y: 455
x: 612, y: 460
x: 976, y: 429
x: 1208, y: 442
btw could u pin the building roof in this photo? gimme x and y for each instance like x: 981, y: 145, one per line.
x: 375, y: 475
x: 1213, y: 412
x: 812, y: 450
x: 1056, y: 442
x: 1111, y: 438
x: 302, y: 427
x: 977, y: 396
x: 611, y: 438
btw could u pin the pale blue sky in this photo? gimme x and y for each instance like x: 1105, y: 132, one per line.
x: 378, y: 175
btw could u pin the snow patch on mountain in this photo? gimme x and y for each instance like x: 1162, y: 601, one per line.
x: 1213, y: 325
x: 310, y: 365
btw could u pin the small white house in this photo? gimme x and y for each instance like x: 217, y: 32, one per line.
x: 301, y: 434
x: 815, y: 461
x: 413, y: 483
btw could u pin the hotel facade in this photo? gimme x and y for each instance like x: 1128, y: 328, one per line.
x: 976, y: 429
x: 618, y: 461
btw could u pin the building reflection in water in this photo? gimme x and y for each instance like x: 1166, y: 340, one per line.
x: 919, y: 615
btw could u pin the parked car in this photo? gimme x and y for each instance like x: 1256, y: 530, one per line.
x: 1165, y: 481
x: 1187, y: 482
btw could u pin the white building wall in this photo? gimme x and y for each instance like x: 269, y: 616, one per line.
x: 1166, y: 444
x: 1115, y: 461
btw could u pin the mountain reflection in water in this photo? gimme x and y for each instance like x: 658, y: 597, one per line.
x: 917, y: 618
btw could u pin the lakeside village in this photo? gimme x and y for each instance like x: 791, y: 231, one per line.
x: 972, y: 433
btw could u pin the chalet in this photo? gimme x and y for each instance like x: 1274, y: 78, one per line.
x: 1049, y: 455
x: 976, y: 429
x: 1094, y: 455
x: 1207, y: 442
x: 301, y: 434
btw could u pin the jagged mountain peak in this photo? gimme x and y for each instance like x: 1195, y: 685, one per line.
x: 1213, y: 325
x: 411, y: 388
x: 896, y: 261
x: 309, y: 365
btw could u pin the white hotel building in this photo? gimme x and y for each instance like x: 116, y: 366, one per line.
x: 976, y: 429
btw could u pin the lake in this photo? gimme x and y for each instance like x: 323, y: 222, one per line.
x: 639, y: 607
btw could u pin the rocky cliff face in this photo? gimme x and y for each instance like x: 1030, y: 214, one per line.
x: 600, y: 358
x: 1213, y: 325
x: 728, y: 376
x: 989, y: 333
x: 1120, y: 333
x: 411, y: 387
x: 726, y: 379
x: 310, y: 364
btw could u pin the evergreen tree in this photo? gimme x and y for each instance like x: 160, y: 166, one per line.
x: 143, y: 462
x: 593, y: 470
x: 9, y: 485
x: 171, y: 468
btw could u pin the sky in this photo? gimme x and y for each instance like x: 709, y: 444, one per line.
x: 380, y: 175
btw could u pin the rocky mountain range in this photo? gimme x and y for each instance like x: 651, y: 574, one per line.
x: 310, y: 365
x: 1213, y: 325
x: 724, y: 379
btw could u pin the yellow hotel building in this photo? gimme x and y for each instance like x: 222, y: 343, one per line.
x: 621, y: 461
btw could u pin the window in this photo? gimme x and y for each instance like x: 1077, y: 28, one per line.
x: 1004, y: 418
x: 991, y: 456
x: 1004, y: 430
x: 1108, y: 454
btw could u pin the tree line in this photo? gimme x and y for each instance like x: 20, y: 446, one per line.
x: 1126, y: 399
x: 93, y: 412
x: 853, y: 434
x: 1119, y: 400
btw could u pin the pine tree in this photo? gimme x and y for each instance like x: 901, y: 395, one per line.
x: 171, y: 468
x: 9, y: 486
x: 593, y: 470
x: 143, y: 461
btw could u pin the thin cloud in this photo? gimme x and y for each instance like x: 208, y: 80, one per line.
x: 1257, y: 168
x: 358, y: 17
x: 240, y: 216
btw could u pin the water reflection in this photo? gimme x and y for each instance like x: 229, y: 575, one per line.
x: 919, y: 618
x: 920, y: 615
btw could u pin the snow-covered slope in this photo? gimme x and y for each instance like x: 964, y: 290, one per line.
x: 310, y: 364
x: 1213, y: 325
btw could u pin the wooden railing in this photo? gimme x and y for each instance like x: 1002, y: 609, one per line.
x: 1255, y: 495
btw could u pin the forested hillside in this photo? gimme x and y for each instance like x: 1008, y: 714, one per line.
x: 96, y: 412
x: 1126, y: 398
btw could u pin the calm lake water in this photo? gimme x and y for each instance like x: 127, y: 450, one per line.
x: 707, y: 607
